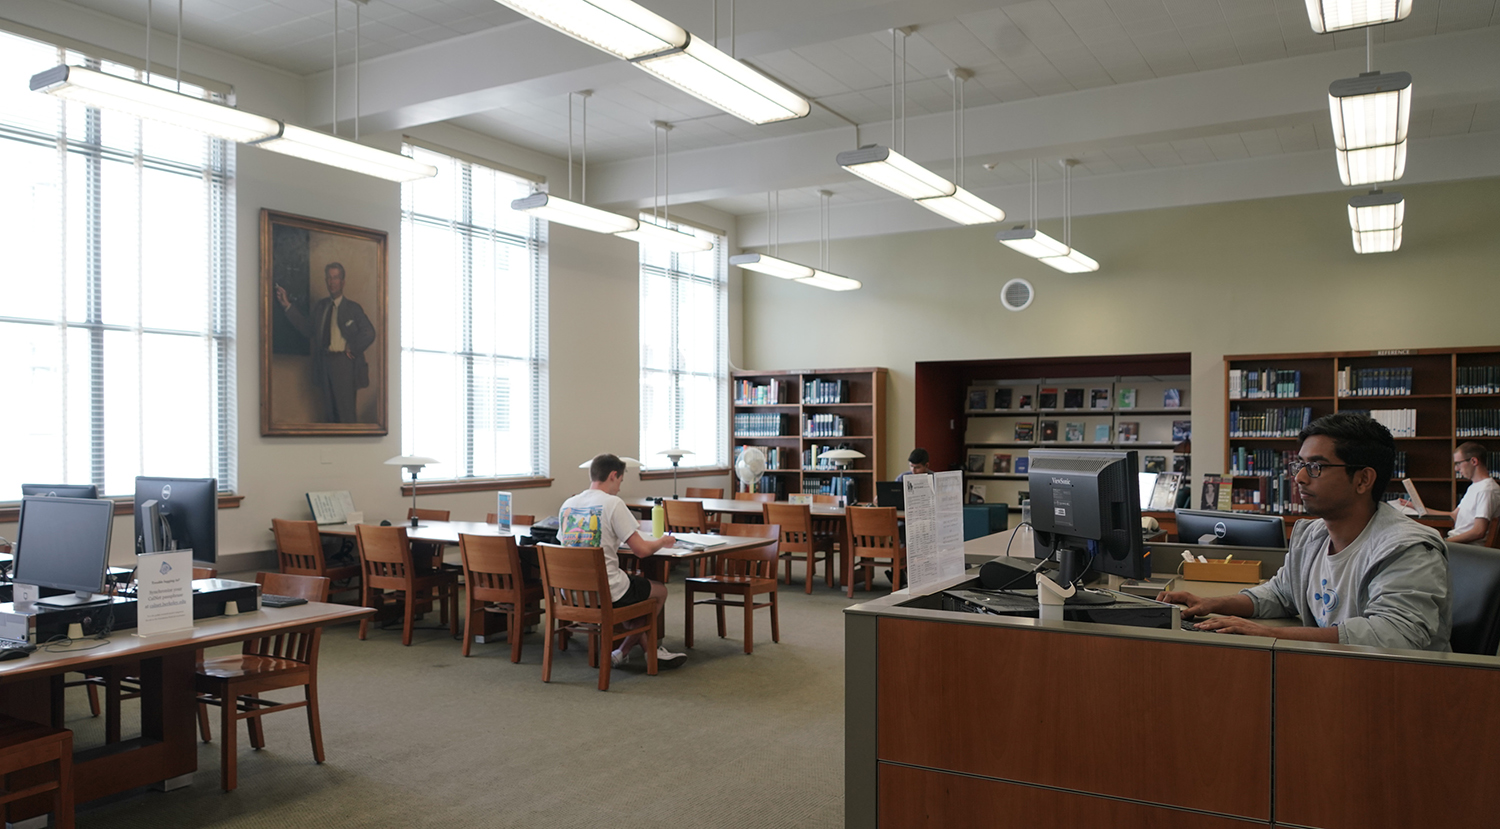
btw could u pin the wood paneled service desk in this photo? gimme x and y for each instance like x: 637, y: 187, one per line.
x: 958, y: 719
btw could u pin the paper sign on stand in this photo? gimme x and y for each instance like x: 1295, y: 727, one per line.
x: 934, y: 527
x: 502, y: 511
x: 164, y: 592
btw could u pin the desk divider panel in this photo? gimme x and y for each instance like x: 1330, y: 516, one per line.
x: 1050, y: 709
x: 1368, y: 742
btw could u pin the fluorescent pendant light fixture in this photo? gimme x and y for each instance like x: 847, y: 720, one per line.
x: 1338, y: 15
x: 895, y: 172
x: 1031, y: 242
x: 831, y: 282
x: 341, y: 152
x: 669, y: 52
x: 648, y: 233
x: 783, y: 269
x: 1370, y: 116
x: 573, y: 214
x: 964, y: 207
x: 1040, y: 246
x: 1375, y: 221
x: 104, y: 91
x: 771, y: 266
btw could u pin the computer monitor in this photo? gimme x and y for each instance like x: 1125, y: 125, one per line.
x: 63, y: 543
x: 60, y: 490
x: 184, y: 517
x: 1086, y: 510
x: 890, y: 494
x: 1235, y: 529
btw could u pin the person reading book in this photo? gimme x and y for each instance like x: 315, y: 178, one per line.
x: 1481, y: 502
x: 1360, y: 573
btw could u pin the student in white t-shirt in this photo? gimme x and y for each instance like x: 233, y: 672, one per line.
x: 597, y: 517
x: 1481, y: 502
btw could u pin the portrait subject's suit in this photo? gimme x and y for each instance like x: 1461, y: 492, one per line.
x: 335, y: 374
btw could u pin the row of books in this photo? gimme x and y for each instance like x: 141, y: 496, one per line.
x: 1374, y: 382
x: 1478, y: 380
x: 1271, y: 423
x: 1401, y: 422
x: 835, y: 485
x: 747, y: 393
x: 1000, y: 464
x: 1259, y: 463
x: 772, y: 453
x: 775, y: 484
x: 1252, y: 383
x: 1006, y: 398
x: 825, y: 391
x: 758, y: 425
x: 1478, y: 423
x: 823, y: 426
x: 1269, y: 494
x: 812, y: 457
x: 1125, y: 431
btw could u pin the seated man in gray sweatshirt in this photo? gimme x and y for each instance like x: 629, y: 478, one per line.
x: 1361, y: 572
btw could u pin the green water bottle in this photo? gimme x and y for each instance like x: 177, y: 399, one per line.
x: 658, y: 519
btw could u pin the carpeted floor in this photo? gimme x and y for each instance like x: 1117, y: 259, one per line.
x: 420, y: 736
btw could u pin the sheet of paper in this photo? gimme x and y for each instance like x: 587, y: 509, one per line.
x: 164, y: 592
x: 949, y: 526
x: 330, y: 507
x: 921, y: 529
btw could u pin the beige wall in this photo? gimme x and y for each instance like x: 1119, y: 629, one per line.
x: 1246, y: 277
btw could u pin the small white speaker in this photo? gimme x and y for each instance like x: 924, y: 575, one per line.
x: 1017, y: 294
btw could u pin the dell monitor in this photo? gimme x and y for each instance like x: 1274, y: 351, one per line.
x: 1235, y: 529
x: 1086, y: 510
x: 185, y: 516
x: 60, y: 490
x: 63, y: 543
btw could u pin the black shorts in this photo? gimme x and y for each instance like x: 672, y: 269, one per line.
x: 639, y: 591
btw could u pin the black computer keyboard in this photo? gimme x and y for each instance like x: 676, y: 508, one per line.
x: 272, y: 600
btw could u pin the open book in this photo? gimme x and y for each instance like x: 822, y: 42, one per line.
x: 1414, y: 498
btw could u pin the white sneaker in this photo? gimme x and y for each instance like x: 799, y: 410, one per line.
x: 618, y: 658
x: 667, y: 659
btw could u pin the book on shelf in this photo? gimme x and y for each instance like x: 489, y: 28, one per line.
x: 1072, y: 398
x: 976, y: 493
x: 1171, y: 399
x: 1025, y: 431
x: 1101, y: 432
x: 1154, y: 463
x: 823, y: 426
x: 1211, y: 485
x: 1478, y: 423
x: 1047, y: 399
x: 1073, y: 432
x: 1099, y: 398
x: 771, y: 453
x: 1125, y: 399
x: 1182, y: 430
x: 1128, y: 431
x: 1374, y: 382
x: 1259, y: 463
x: 836, y: 485
x: 976, y: 463
x: 1270, y: 423
x: 1183, y: 464
x: 816, y: 392
x: 1164, y: 492
x: 1023, y: 465
x: 1478, y: 380
x: 1049, y: 430
x: 1001, y: 465
x: 757, y: 425
x: 1003, y: 397
x: 1025, y: 403
x: 1248, y: 384
x: 979, y: 399
x: 1401, y: 422
x: 749, y: 393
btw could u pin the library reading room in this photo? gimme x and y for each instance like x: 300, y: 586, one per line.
x: 847, y: 413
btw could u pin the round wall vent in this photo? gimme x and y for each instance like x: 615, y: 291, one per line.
x: 1017, y: 294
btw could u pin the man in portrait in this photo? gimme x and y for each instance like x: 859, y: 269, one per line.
x: 338, y: 332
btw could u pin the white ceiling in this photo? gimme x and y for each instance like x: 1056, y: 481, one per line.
x: 839, y: 54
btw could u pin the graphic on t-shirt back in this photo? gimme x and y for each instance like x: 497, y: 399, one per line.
x: 580, y: 527
x: 1327, y: 600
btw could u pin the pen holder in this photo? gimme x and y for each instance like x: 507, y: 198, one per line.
x: 1246, y: 571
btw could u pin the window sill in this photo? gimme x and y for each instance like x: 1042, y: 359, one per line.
x: 685, y: 472
x: 475, y: 485
x: 11, y: 513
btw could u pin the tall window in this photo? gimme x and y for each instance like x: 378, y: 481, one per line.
x: 117, y: 306
x: 473, y: 324
x: 684, y: 354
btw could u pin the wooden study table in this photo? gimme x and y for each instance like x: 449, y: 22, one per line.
x: 167, y: 750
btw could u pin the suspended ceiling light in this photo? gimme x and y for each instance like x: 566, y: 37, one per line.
x: 657, y: 230
x: 771, y: 266
x: 895, y: 172
x: 964, y: 207
x: 1370, y: 115
x: 97, y: 89
x: 1337, y: 15
x: 831, y: 282
x: 573, y: 214
x: 783, y: 269
x: 670, y: 52
x: 1040, y: 246
x: 1375, y: 221
x: 649, y: 233
x: 341, y: 152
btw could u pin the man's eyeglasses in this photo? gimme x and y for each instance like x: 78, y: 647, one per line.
x: 1315, y: 468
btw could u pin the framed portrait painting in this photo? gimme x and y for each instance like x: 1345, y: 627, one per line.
x: 323, y: 346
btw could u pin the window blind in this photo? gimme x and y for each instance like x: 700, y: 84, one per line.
x: 473, y: 323
x: 118, y: 319
x: 684, y: 364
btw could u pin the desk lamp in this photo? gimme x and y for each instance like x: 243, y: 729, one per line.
x: 412, y: 464
x: 842, y: 457
x: 676, y: 456
x: 630, y: 463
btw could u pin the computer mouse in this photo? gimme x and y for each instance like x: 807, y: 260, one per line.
x: 385, y: 523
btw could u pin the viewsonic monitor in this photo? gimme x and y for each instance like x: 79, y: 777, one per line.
x: 63, y: 543
x: 60, y: 490
x: 1235, y: 529
x: 184, y: 517
x: 1086, y: 509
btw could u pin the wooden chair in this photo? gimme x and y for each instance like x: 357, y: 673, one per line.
x: 300, y: 550
x: 386, y: 556
x: 205, y: 573
x: 494, y: 579
x: 689, y: 517
x: 1492, y: 536
x: 515, y: 518
x: 576, y: 586
x: 705, y: 492
x: 286, y: 661
x: 427, y: 553
x: 874, y: 541
x: 27, y: 745
x: 825, y: 499
x: 798, y: 542
x: 763, y: 497
x: 742, y: 573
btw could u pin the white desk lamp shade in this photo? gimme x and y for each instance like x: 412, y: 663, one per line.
x: 676, y: 454
x: 841, y: 454
x: 411, y: 463
x: 630, y: 463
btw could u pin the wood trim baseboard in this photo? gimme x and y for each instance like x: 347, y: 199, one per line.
x: 696, y: 472
x: 481, y: 485
x: 11, y: 513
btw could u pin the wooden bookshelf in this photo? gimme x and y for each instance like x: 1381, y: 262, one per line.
x: 852, y: 397
x: 1420, y: 383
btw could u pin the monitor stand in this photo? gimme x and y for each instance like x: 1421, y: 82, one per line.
x: 1072, y: 563
x: 80, y: 599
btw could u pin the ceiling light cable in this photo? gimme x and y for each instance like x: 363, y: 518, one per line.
x: 148, y: 42
x: 179, y: 45
x: 357, y: 5
x: 335, y: 67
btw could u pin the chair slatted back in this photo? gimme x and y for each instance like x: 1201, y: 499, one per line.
x: 299, y: 646
x: 385, y: 556
x: 515, y: 518
x: 757, y: 563
x: 492, y: 567
x: 705, y: 492
x: 763, y: 497
x: 576, y: 584
x: 796, y: 525
x: 825, y: 499
x: 427, y: 514
x: 685, y: 516
x: 299, y: 547
x: 873, y: 530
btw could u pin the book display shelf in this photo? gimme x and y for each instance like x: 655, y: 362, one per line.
x: 1431, y: 399
x: 796, y: 416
